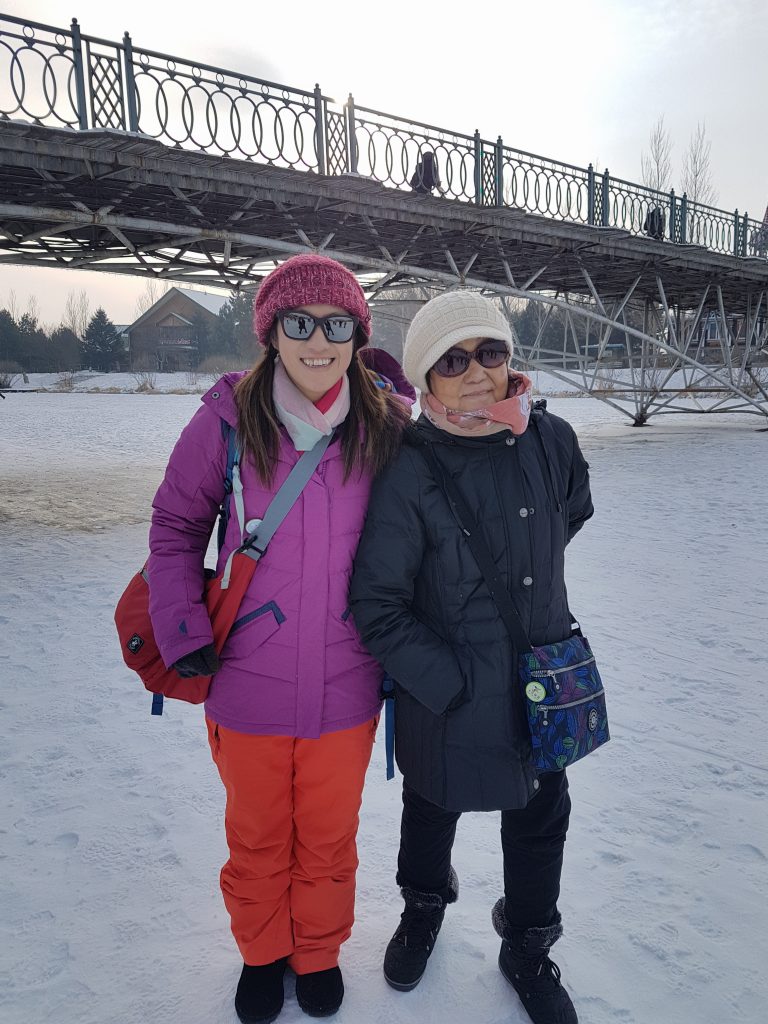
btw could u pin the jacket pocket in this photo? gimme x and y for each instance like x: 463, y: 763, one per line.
x: 351, y: 628
x: 250, y: 631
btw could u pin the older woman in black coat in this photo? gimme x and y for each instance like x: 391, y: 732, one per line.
x: 423, y: 608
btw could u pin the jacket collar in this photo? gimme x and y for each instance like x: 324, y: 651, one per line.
x: 221, y: 399
x: 424, y: 432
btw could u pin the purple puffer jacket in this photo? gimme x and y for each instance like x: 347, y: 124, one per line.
x: 293, y: 664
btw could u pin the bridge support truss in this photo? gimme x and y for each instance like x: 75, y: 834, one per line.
x: 648, y: 327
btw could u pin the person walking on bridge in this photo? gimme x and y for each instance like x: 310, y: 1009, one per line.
x: 423, y: 608
x: 294, y: 700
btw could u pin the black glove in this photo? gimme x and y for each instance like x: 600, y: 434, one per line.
x: 202, y: 662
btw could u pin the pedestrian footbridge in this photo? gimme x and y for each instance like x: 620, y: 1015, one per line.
x: 126, y: 160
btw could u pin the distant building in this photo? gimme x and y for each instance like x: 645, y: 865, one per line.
x: 167, y: 335
x: 709, y: 340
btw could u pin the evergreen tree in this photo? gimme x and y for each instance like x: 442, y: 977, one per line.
x: 246, y: 344
x: 36, y: 356
x: 528, y: 323
x: 101, y: 343
x: 11, y: 342
x: 66, y: 349
x: 233, y: 331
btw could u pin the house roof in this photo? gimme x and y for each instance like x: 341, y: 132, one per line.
x: 207, y: 300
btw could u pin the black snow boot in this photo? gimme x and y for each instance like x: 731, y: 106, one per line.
x: 259, y: 997
x: 408, y: 951
x: 524, y: 962
x: 320, y: 993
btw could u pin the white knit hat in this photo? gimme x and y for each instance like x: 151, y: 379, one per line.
x: 445, y: 321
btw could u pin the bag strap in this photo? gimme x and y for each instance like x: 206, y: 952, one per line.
x: 388, y: 696
x: 233, y: 478
x: 231, y: 484
x: 542, y: 433
x: 256, y: 543
x: 480, y: 550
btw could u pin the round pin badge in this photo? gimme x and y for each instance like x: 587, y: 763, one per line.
x: 535, y: 692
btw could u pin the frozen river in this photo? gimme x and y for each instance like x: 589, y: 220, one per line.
x: 112, y: 833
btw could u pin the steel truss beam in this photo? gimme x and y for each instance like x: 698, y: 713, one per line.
x: 641, y: 349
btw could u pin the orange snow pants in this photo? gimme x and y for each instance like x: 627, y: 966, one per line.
x: 291, y: 821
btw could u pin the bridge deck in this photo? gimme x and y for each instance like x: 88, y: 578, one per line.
x: 124, y: 203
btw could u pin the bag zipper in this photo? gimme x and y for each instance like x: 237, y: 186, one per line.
x: 570, y: 704
x: 546, y: 708
x: 556, y: 671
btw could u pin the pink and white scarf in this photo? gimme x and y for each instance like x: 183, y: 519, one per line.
x: 511, y: 413
x: 303, y: 420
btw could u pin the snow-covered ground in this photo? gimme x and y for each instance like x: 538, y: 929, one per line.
x: 112, y: 383
x: 193, y: 382
x: 179, y: 383
x: 112, y: 820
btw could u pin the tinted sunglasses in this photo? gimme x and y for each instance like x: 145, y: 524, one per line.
x: 455, y: 361
x: 338, y: 328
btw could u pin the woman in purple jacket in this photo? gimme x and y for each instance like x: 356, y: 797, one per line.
x: 294, y: 700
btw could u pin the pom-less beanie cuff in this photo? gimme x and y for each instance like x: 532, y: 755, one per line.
x: 445, y: 321
x: 302, y: 281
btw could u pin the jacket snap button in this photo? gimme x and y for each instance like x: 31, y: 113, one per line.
x: 535, y: 783
x: 214, y: 394
x: 510, y: 440
x: 527, y: 581
x: 523, y: 512
x: 531, y: 511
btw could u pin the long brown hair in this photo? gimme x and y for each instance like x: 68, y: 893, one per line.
x: 370, y: 436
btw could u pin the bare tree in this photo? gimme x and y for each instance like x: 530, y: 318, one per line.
x: 656, y: 164
x: 70, y: 312
x: 77, y: 313
x: 697, y: 170
x: 153, y: 290
x: 13, y: 305
x: 33, y: 308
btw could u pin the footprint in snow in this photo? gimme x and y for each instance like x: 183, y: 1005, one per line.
x: 750, y: 852
x: 613, y: 858
x: 67, y: 840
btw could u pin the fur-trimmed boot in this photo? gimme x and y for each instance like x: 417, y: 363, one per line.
x: 409, y: 948
x: 524, y: 962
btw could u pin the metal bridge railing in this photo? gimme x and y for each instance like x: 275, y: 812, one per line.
x: 60, y: 77
x: 389, y: 149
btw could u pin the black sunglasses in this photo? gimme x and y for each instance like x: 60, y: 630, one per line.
x: 490, y: 354
x: 338, y: 327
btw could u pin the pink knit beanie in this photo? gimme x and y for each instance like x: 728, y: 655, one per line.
x: 304, y: 280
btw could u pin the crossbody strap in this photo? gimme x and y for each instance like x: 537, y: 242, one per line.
x: 255, y: 544
x: 232, y: 485
x: 480, y: 550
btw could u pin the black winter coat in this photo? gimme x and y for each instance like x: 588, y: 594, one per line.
x: 422, y: 607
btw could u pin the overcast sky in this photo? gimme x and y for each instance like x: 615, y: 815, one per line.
x: 578, y: 80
